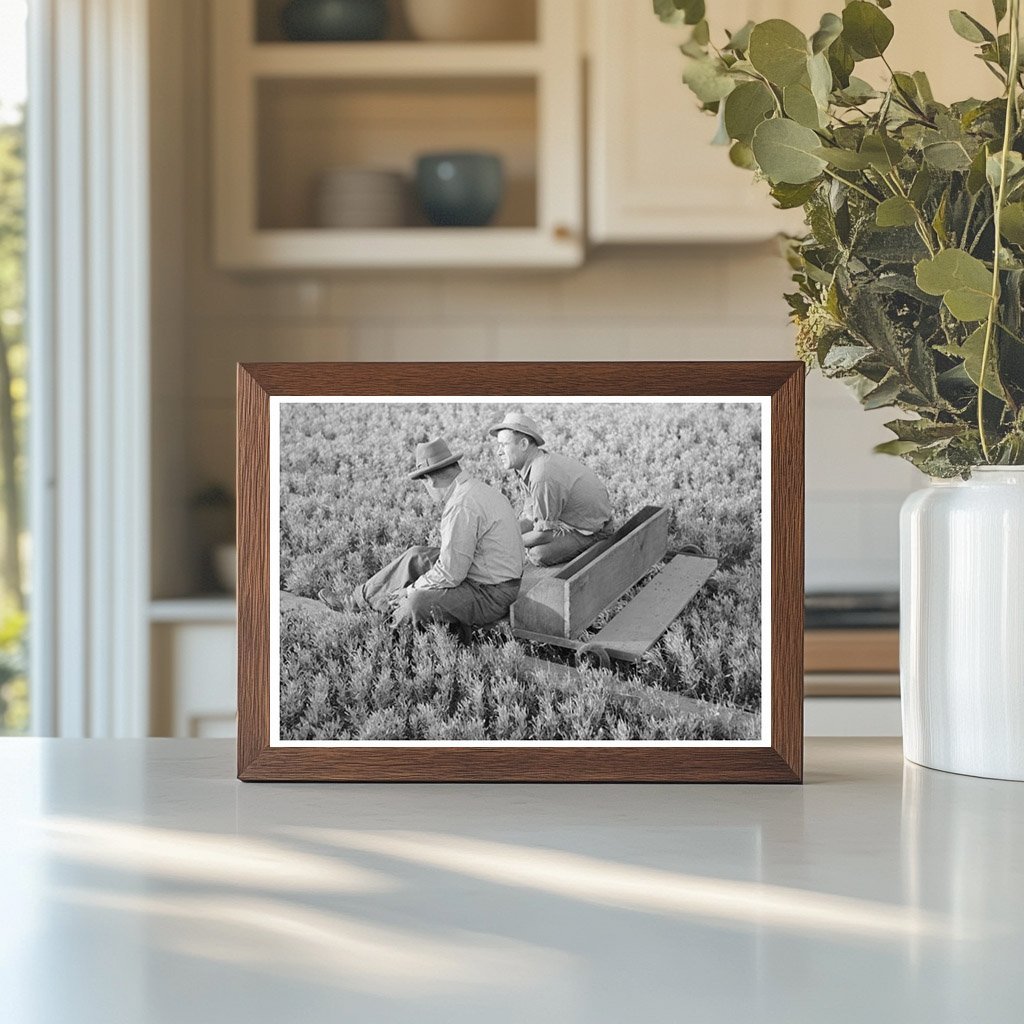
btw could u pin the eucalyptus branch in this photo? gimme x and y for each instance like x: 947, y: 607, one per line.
x: 977, y: 238
x: 908, y: 101
x: 771, y: 89
x: 993, y: 308
x: 1012, y: 334
x: 969, y: 217
x: 853, y: 185
x: 923, y: 228
x: 890, y: 281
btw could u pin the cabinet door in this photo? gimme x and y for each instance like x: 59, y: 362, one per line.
x: 654, y: 175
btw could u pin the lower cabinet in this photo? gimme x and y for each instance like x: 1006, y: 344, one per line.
x: 193, y: 677
x: 852, y: 716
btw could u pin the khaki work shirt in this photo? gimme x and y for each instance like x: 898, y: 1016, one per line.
x: 562, y: 492
x: 480, y: 538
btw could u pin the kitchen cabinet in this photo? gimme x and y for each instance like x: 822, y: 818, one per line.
x: 653, y: 175
x: 193, y: 673
x: 287, y: 113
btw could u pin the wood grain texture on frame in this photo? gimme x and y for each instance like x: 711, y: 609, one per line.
x: 782, y: 761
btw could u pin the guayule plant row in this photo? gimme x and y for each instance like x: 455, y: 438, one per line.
x: 909, y: 280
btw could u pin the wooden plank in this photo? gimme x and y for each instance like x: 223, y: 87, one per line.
x: 637, y: 627
x: 546, y: 638
x: 542, y: 609
x: 534, y: 574
x: 594, y: 578
x: 852, y: 650
x: 610, y: 575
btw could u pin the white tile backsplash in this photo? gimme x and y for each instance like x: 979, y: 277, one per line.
x: 718, y: 302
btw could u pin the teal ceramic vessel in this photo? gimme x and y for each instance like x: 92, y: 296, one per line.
x: 331, y: 21
x: 460, y: 189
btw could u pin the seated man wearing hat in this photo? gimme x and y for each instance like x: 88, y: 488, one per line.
x: 473, y: 578
x: 567, y: 507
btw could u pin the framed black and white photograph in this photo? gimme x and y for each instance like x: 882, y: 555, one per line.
x: 520, y: 571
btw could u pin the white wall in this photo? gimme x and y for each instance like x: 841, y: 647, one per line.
x: 717, y: 302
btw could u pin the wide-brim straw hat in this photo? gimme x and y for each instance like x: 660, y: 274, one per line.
x: 432, y: 456
x: 521, y: 423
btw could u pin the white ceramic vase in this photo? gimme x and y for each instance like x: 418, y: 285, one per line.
x: 962, y: 624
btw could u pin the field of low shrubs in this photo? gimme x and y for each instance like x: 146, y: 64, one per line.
x: 347, y: 507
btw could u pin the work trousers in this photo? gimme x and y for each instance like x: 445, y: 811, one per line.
x: 565, y: 546
x: 469, y: 603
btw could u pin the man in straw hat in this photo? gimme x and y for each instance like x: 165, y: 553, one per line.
x: 567, y: 507
x: 473, y: 577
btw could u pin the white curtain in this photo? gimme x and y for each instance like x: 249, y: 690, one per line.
x: 88, y: 320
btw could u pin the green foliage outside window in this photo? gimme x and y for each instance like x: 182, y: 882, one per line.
x: 13, y: 413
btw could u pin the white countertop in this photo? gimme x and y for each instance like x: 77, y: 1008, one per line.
x: 143, y: 884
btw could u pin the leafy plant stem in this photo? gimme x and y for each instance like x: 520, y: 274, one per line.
x: 969, y: 217
x: 922, y: 225
x: 993, y: 309
x: 977, y: 238
x: 768, y: 85
x: 853, y: 185
x: 1012, y: 334
x: 908, y: 101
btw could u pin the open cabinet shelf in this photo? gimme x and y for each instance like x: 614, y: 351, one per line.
x: 287, y: 114
x: 394, y: 60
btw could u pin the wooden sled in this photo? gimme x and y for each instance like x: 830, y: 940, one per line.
x: 557, y: 605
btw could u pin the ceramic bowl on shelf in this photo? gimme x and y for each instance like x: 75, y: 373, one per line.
x: 460, y: 189
x: 334, y: 20
x: 470, y: 20
x: 361, y: 198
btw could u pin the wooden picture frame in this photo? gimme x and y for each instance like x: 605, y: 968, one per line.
x: 777, y: 386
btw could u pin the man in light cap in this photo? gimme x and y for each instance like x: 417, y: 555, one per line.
x: 566, y: 508
x: 473, y: 578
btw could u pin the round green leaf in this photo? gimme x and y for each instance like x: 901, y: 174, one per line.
x: 707, y: 80
x: 972, y: 352
x: 800, y: 105
x: 947, y: 156
x: 961, y: 279
x: 743, y: 156
x: 976, y: 175
x: 841, y: 62
x: 866, y: 29
x: 740, y: 39
x: 779, y: 51
x: 1012, y: 223
x: 788, y: 197
x: 883, y: 153
x: 844, y: 159
x: 968, y: 28
x: 895, y: 212
x: 674, y: 12
x: 829, y: 30
x: 994, y: 168
x: 746, y: 107
x: 784, y: 151
x: 820, y: 75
